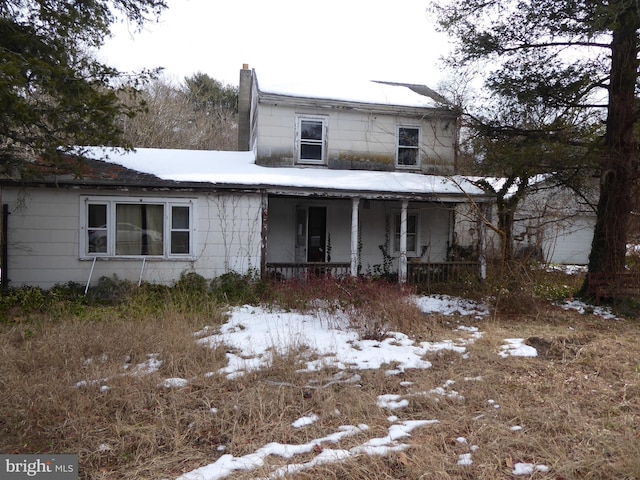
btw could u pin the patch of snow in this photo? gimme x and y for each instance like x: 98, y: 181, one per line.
x: 304, y: 421
x: 528, y: 468
x: 515, y: 347
x: 174, y: 382
x: 583, y: 308
x: 447, y: 305
x: 392, y: 401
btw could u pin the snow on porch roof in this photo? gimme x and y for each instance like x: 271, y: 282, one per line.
x: 222, y: 168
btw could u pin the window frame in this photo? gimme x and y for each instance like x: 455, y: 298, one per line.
x: 323, y: 120
x: 397, y: 218
x: 416, y: 147
x: 111, y: 203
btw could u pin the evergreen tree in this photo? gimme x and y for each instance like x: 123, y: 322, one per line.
x: 53, y: 93
x: 565, y: 55
x: 208, y: 94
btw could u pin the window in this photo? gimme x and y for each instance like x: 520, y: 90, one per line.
x: 412, y: 233
x: 180, y: 230
x: 408, y: 147
x: 130, y: 227
x: 311, y: 139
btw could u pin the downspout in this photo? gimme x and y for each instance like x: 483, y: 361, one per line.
x: 354, y: 236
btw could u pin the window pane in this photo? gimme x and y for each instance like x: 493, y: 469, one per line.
x: 411, y: 224
x: 411, y: 243
x: 97, y: 216
x: 407, y: 156
x: 180, y: 242
x: 311, y: 130
x: 310, y: 152
x: 139, y: 229
x: 408, y: 137
x: 97, y: 231
x: 180, y: 218
x: 180, y: 230
x: 97, y: 241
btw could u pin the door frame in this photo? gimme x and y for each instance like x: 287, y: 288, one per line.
x: 310, y: 219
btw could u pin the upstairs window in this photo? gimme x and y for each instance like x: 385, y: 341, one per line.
x: 408, y: 153
x: 136, y: 227
x: 311, y: 139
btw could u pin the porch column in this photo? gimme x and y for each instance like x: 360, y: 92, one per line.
x: 402, y: 261
x: 354, y: 236
x: 264, y: 228
x: 482, y: 241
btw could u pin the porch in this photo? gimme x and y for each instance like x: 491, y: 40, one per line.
x: 384, y: 237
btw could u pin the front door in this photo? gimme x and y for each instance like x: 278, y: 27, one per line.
x: 317, y: 234
x: 311, y: 234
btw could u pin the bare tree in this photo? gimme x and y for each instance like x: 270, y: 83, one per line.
x: 172, y: 119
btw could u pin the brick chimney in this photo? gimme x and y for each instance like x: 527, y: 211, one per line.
x: 244, y: 108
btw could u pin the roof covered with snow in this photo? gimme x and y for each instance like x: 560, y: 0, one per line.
x: 374, y: 92
x: 238, y: 169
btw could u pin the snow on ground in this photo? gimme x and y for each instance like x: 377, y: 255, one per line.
x: 582, y: 308
x: 515, y: 347
x: 252, y: 335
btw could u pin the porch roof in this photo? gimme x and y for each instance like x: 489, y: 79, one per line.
x: 230, y: 169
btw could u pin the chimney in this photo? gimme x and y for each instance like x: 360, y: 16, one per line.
x: 244, y: 108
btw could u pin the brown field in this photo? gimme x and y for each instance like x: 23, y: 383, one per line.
x: 578, y: 402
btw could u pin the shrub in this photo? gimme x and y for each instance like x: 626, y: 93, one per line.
x: 192, y: 283
x: 111, y: 290
x: 235, y: 289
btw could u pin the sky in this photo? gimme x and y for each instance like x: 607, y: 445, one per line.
x: 254, y: 333
x: 392, y: 40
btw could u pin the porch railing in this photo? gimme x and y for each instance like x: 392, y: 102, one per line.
x: 417, y: 273
x: 442, y: 272
x: 308, y: 269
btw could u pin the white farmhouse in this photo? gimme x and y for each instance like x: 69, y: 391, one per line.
x: 349, y: 182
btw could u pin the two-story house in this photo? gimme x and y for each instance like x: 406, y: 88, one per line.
x: 344, y: 181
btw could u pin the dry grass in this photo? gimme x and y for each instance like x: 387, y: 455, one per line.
x: 578, y: 403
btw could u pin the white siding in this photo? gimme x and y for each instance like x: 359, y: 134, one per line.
x: 552, y: 222
x: 44, y: 246
x: 569, y: 243
x: 355, y: 135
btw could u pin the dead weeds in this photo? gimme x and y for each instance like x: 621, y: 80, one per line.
x: 575, y: 408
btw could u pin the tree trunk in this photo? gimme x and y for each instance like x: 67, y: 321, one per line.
x: 608, y: 250
x: 505, y: 225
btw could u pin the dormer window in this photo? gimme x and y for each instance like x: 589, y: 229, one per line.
x: 408, y: 152
x: 311, y: 138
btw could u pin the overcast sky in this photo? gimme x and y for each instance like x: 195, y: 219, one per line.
x: 325, y: 40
